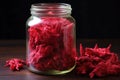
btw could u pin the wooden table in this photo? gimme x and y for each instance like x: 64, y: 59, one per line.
x: 16, y: 48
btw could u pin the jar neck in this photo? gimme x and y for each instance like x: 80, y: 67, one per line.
x: 51, y: 9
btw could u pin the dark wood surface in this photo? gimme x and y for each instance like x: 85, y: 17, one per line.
x: 16, y: 48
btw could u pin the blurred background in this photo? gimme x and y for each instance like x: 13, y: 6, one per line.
x: 94, y: 19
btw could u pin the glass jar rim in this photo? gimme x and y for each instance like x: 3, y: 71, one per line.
x: 41, y: 6
x: 62, y: 8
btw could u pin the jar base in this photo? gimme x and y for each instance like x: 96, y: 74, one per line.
x: 50, y: 72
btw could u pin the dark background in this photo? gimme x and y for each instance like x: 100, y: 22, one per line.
x: 94, y: 19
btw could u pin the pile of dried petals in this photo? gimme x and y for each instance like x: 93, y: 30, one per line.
x: 51, y: 44
x: 15, y: 64
x: 97, y: 61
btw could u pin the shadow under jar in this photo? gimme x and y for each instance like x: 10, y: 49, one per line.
x: 51, y: 39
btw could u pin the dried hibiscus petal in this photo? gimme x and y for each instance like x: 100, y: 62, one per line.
x: 15, y: 64
x: 100, y: 70
x: 96, y: 51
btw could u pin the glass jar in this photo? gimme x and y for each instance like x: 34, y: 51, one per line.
x: 51, y: 41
